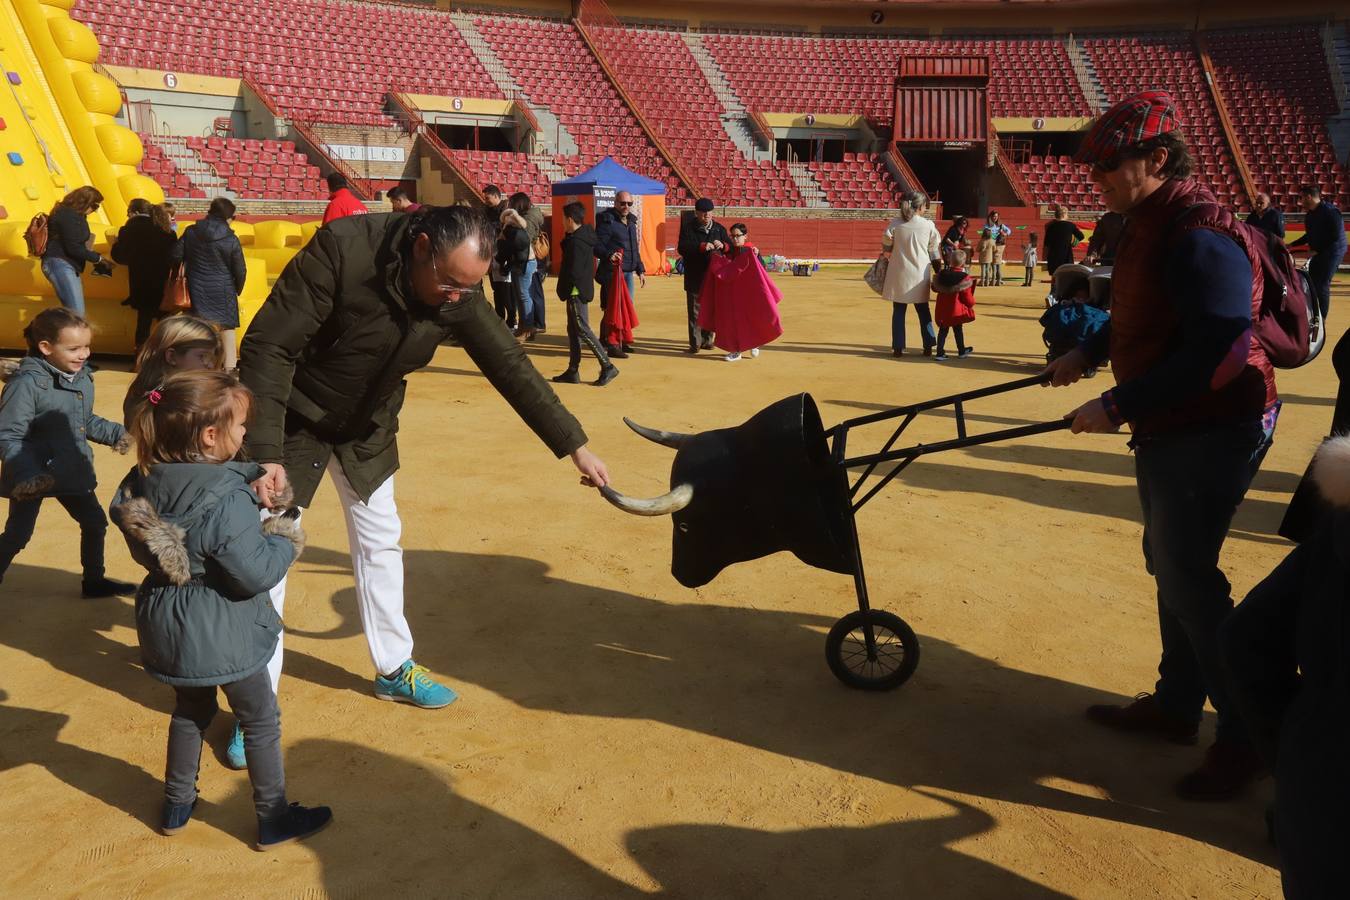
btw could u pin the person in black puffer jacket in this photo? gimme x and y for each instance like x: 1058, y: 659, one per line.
x: 215, y: 271
x: 513, y: 255
x: 145, y: 246
x: 68, y: 240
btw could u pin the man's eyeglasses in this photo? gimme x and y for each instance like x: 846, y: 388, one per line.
x: 449, y: 291
x: 1106, y: 166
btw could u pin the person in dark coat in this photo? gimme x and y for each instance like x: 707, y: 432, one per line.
x: 1101, y: 248
x: 576, y: 288
x: 954, y: 239
x: 1324, y: 235
x: 68, y: 240
x: 214, y: 262
x: 145, y: 246
x: 534, y: 267
x: 1287, y: 652
x: 1061, y: 236
x: 1266, y: 217
x: 494, y: 204
x: 513, y: 257
x: 700, y: 238
x: 365, y: 303
x: 1307, y: 507
x: 616, y: 229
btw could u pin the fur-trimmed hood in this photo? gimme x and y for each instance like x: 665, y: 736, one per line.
x: 1331, y: 471
x: 952, y: 281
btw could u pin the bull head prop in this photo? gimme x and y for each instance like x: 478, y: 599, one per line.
x: 741, y: 493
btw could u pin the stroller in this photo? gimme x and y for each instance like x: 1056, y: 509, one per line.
x: 1075, y: 308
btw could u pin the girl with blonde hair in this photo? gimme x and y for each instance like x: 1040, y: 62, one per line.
x: 178, y: 344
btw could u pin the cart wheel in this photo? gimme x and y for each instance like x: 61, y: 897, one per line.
x: 895, y: 659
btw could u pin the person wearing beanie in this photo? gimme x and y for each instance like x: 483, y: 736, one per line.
x: 1198, y: 394
x: 701, y: 238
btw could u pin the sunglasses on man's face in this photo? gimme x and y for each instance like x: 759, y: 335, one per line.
x: 624, y: 203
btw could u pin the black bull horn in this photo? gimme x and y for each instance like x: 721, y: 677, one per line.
x: 741, y: 493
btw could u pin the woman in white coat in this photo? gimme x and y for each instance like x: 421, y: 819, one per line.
x: 911, y: 243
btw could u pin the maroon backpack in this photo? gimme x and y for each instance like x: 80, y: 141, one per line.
x: 1286, y: 322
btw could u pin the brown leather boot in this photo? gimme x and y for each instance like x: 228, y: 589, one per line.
x: 1229, y: 768
x: 1144, y: 716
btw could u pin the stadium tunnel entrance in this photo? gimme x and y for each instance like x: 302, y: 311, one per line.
x: 956, y: 176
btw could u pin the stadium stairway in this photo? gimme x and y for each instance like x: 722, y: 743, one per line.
x: 1086, y: 74
x: 201, y: 176
x: 734, y: 113
x: 1337, y: 44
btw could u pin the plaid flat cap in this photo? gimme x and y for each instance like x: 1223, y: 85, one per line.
x: 1131, y: 121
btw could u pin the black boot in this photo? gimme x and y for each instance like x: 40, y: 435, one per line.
x: 568, y: 377
x: 607, y: 374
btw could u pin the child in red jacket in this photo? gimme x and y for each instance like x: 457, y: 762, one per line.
x: 955, y: 305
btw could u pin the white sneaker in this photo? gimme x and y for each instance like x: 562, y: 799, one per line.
x: 732, y: 357
x: 754, y: 354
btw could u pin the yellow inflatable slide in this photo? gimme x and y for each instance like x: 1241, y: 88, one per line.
x: 57, y: 132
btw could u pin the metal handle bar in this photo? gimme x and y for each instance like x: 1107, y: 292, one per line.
x: 958, y: 443
x: 1038, y: 379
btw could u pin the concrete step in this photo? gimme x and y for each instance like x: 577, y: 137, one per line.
x: 733, y: 113
x: 552, y: 136
x: 810, y: 189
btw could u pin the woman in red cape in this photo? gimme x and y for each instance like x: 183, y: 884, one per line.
x: 616, y: 327
x: 739, y: 301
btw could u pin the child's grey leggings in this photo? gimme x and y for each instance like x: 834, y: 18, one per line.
x: 255, y: 706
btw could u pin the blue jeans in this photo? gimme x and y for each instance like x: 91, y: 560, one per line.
x: 927, y: 332
x: 536, y: 287
x: 1190, y: 485
x: 525, y: 308
x: 66, y: 282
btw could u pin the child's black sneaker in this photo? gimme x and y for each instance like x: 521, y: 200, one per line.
x: 295, y: 823
x: 176, y: 817
x: 966, y: 352
x: 941, y: 356
x: 106, y: 587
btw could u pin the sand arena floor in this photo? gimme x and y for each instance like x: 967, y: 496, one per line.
x: 620, y: 735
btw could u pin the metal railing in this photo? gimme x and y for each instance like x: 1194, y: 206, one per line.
x: 412, y: 123
x: 316, y: 147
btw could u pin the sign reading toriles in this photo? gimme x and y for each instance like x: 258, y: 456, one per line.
x: 356, y: 153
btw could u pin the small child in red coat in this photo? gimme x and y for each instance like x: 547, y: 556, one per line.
x: 955, y: 305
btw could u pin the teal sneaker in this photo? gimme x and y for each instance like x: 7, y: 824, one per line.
x: 234, y: 753
x: 413, y: 684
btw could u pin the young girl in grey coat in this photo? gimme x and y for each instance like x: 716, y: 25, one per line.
x: 203, y: 615
x: 46, y: 423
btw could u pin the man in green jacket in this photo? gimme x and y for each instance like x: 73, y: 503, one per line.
x: 367, y: 301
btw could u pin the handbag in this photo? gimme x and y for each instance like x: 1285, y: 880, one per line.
x: 176, y: 299
x: 875, y: 276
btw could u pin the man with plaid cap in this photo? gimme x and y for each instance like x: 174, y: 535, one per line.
x: 1198, y: 393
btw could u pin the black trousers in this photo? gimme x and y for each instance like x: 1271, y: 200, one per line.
x: 579, y: 332
x: 698, y: 338
x: 504, y: 302
x: 83, y: 508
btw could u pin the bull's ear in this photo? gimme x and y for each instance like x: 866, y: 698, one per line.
x: 671, y: 502
x: 672, y: 439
